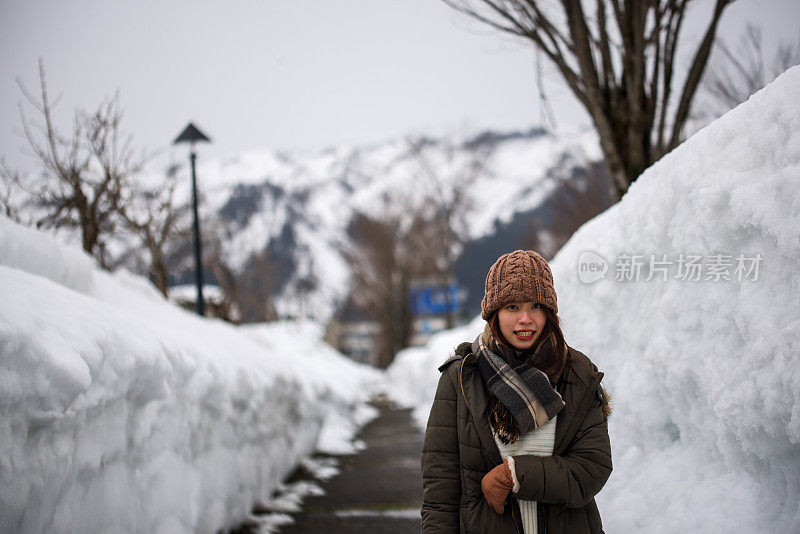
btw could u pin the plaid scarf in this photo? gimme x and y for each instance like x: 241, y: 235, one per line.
x: 521, y: 388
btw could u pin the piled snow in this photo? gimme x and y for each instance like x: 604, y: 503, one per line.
x: 413, y: 375
x: 338, y: 384
x: 705, y: 375
x: 122, y: 413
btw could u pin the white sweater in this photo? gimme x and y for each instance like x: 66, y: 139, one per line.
x: 539, y: 442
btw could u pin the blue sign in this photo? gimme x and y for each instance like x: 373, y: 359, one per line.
x: 430, y: 300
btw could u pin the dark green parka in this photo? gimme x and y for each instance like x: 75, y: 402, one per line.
x: 459, y: 450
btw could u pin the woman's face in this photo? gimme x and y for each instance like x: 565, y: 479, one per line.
x: 521, y: 323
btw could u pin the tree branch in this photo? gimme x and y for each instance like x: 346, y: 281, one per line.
x: 695, y: 73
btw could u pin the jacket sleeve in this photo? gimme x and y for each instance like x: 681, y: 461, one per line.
x: 441, y: 479
x: 571, y: 480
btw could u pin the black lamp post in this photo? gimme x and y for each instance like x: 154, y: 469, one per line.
x: 192, y: 135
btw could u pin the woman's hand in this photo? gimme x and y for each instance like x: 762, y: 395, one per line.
x: 496, y: 486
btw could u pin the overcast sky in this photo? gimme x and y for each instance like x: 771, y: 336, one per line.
x: 274, y: 74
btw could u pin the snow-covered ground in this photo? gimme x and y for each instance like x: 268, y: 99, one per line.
x: 120, y: 412
x: 704, y: 374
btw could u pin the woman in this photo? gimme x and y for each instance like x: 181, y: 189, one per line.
x: 517, y: 438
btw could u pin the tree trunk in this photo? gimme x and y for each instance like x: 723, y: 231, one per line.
x: 158, y: 271
x: 90, y: 234
x: 614, y: 160
x: 623, y: 77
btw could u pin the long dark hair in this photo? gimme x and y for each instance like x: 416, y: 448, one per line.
x: 549, y: 358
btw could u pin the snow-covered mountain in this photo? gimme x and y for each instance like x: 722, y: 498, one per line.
x: 700, y: 344
x: 296, y: 206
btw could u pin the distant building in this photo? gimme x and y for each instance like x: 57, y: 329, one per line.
x: 430, y: 305
x: 356, y: 339
x: 354, y: 332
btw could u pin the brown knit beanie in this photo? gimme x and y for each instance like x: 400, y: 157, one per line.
x: 519, y: 276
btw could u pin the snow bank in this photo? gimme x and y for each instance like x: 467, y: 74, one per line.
x: 705, y: 374
x: 412, y: 377
x: 339, y: 385
x: 122, y: 413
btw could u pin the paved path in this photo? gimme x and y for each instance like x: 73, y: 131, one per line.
x: 378, y: 490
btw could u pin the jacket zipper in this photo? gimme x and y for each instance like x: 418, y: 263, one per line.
x: 544, y: 516
x: 541, y: 517
x: 514, y: 518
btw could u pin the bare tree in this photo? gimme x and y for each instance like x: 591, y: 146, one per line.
x: 215, y: 259
x: 246, y: 290
x: 418, y: 235
x: 381, y: 271
x: 255, y: 290
x: 158, y: 219
x: 10, y: 202
x: 85, y: 174
x: 619, y: 61
x: 580, y: 193
x: 734, y: 75
x: 439, y: 220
